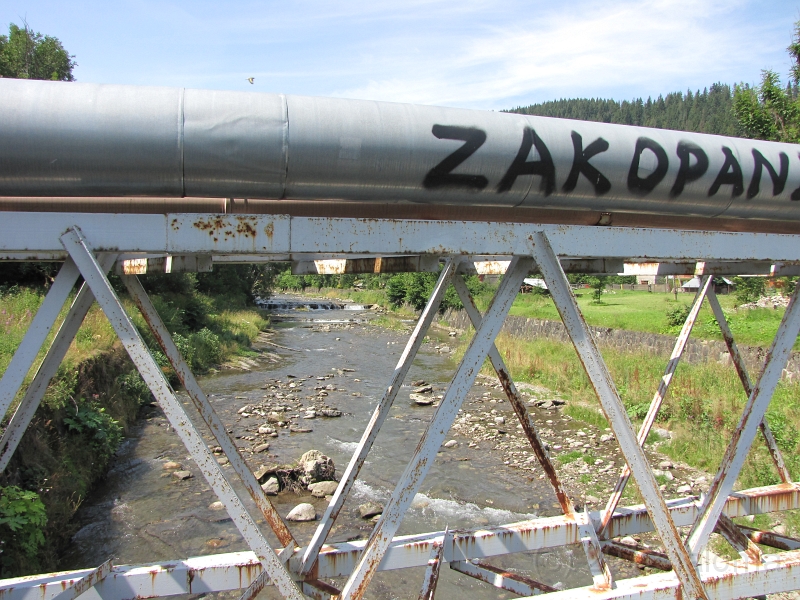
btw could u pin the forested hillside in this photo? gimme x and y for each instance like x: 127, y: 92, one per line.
x: 709, y: 111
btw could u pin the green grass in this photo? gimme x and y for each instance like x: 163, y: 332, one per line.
x: 701, y: 410
x: 645, y: 311
x: 570, y: 456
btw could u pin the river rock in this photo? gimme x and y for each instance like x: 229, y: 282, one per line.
x: 500, y: 420
x: 216, y: 506
x: 263, y: 470
x: 419, y: 382
x: 606, y: 437
x: 323, y: 488
x: 271, y: 487
x: 370, y: 509
x: 628, y: 540
x: 422, y: 400
x: 315, y: 466
x: 451, y: 444
x: 684, y: 489
x: 665, y: 464
x: 423, y: 389
x: 261, y: 448
x: 302, y: 512
x: 181, y: 475
x: 329, y: 412
x: 172, y: 465
x: 300, y: 430
x: 266, y: 430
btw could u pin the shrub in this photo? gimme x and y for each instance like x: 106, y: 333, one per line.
x: 99, y: 429
x: 677, y: 315
x: 22, y: 520
x: 749, y: 289
x: 207, y: 349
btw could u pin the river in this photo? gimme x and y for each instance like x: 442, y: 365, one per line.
x: 141, y: 513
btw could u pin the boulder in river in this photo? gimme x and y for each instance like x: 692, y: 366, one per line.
x: 171, y: 464
x: 261, y: 448
x: 181, y: 475
x: 323, y: 488
x: 422, y: 400
x: 422, y: 389
x: 315, y: 466
x: 271, y: 487
x: 370, y: 509
x: 302, y: 512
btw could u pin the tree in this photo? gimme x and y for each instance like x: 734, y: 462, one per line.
x: 25, y: 54
x: 770, y: 111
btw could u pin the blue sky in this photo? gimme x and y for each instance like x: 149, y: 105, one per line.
x: 468, y: 53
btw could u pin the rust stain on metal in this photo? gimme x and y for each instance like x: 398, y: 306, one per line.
x: 537, y: 585
x: 535, y: 441
x: 269, y: 231
x: 641, y: 556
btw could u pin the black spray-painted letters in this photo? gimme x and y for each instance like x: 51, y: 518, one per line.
x: 641, y: 186
x: 581, y: 166
x: 544, y: 167
x: 441, y: 175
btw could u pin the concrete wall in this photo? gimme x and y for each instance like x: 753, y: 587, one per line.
x: 697, y: 351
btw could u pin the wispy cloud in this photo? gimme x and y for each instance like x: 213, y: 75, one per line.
x: 589, y: 49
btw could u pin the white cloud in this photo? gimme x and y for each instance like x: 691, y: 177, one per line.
x: 589, y: 49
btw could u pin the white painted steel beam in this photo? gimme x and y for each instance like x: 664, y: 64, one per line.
x: 206, y: 411
x: 597, y: 565
x: 615, y: 413
x: 81, y: 253
x: 41, y: 326
x: 55, y: 354
x: 658, y: 399
x: 752, y: 416
x: 744, y: 377
x: 294, y: 237
x: 433, y: 437
x: 232, y: 571
x: 379, y: 414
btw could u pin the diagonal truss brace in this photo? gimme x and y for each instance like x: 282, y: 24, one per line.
x: 434, y: 567
x: 658, y: 399
x: 614, y: 411
x: 601, y: 574
x: 207, y: 413
x: 34, y: 339
x: 752, y: 417
x: 434, y: 435
x: 379, y: 415
x: 55, y: 355
x: 741, y: 370
x: 78, y: 248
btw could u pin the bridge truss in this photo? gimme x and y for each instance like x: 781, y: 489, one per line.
x: 91, y: 244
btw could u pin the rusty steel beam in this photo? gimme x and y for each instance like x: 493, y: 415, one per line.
x: 501, y: 578
x: 658, y: 399
x: 752, y: 416
x: 206, y: 411
x: 770, y: 538
x: 80, y: 251
x: 640, y: 556
x: 433, y: 568
x: 350, y: 474
x: 741, y: 370
x: 422, y: 459
x: 615, y: 413
x: 86, y: 582
x: 736, y: 538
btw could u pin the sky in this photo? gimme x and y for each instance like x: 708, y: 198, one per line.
x: 465, y: 53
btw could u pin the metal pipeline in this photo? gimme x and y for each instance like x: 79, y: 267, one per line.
x: 84, y: 140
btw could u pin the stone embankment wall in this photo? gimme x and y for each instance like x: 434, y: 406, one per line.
x: 696, y: 352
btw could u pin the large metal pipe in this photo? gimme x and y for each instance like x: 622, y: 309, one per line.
x: 72, y: 140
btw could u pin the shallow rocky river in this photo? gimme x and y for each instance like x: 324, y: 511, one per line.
x: 335, y: 363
